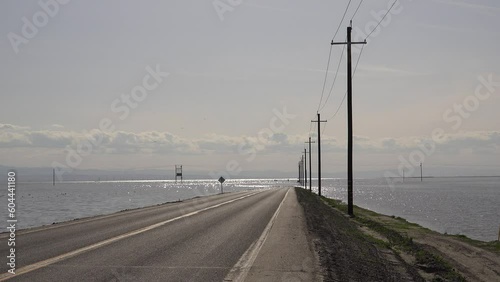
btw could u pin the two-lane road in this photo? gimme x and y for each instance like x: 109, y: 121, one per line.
x: 196, y: 240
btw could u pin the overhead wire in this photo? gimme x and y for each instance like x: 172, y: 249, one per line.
x: 342, y: 55
x: 326, y: 76
x: 362, y: 47
x: 334, y: 79
x: 324, y: 127
x: 330, y: 54
x: 310, y: 126
x: 379, y: 22
x: 340, y: 61
x: 342, y: 20
x: 355, y: 12
x: 354, y: 72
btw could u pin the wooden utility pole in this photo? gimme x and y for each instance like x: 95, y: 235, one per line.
x: 421, y: 177
x: 301, y: 168
x: 53, y: 177
x: 310, y: 164
x: 349, y: 43
x: 319, y: 121
x: 305, y: 168
x: 299, y: 173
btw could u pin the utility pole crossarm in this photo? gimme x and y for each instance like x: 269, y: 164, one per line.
x: 319, y: 121
x: 350, y: 182
x: 310, y: 164
x: 349, y: 42
x: 344, y: 43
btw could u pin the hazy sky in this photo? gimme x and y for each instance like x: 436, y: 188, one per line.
x: 212, y: 79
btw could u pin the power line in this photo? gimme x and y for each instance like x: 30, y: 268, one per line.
x: 340, y: 61
x: 388, y: 11
x: 326, y: 76
x: 342, y: 20
x: 355, y: 12
x: 354, y: 72
x: 361, y: 52
x: 341, y: 56
x: 323, y: 131
x: 310, y: 126
x: 334, y: 79
x: 330, y: 55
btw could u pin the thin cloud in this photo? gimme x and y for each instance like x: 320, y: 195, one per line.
x: 264, y: 7
x: 470, y: 5
x: 389, y: 70
x: 122, y: 142
x: 11, y: 127
x: 455, y: 29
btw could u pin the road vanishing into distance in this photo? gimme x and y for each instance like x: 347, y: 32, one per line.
x: 201, y: 239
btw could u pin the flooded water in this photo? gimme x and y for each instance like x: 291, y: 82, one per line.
x: 469, y: 206
x: 462, y: 205
x: 42, y: 203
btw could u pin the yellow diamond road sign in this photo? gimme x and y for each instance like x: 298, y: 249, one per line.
x: 221, y: 179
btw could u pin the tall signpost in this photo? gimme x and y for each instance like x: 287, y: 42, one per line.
x: 221, y: 180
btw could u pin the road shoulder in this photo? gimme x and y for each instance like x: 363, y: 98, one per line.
x: 288, y: 253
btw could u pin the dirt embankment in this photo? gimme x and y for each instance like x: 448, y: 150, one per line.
x: 374, y: 247
x: 344, y: 251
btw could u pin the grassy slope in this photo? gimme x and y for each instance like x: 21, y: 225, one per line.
x: 392, y: 233
x: 398, y: 240
x: 402, y: 226
x: 345, y: 252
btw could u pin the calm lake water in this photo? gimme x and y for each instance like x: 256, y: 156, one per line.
x: 462, y: 205
x: 42, y: 203
x: 469, y: 206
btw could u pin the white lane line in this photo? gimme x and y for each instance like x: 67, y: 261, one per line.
x: 240, y: 270
x: 91, y: 267
x: 38, y: 265
x: 101, y: 217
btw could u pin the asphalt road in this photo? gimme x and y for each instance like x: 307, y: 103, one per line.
x: 195, y: 240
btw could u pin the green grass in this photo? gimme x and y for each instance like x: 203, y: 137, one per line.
x: 493, y: 246
x: 399, y: 241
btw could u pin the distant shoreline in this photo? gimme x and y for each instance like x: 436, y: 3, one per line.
x: 291, y: 179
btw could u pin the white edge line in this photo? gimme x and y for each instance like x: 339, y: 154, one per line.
x: 44, y: 263
x: 92, y: 218
x: 240, y: 270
